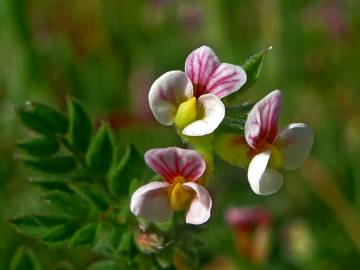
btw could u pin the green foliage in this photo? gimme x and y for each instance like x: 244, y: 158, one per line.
x: 126, y: 245
x: 55, y: 165
x: 106, y: 265
x: 37, y: 226
x: 234, y: 121
x: 42, y: 119
x: 85, y: 236
x: 77, y: 209
x: 80, y: 128
x: 92, y: 194
x: 50, y: 183
x: 69, y: 204
x: 39, y: 147
x: 24, y: 259
x: 253, y: 67
x: 130, y: 167
x: 100, y: 155
x: 232, y: 125
x: 59, y: 234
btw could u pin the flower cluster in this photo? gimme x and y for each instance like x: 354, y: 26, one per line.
x: 191, y: 101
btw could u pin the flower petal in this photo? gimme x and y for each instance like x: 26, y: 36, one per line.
x: 261, y: 124
x: 226, y: 79
x: 199, y: 66
x: 200, y: 207
x: 173, y: 161
x: 167, y: 93
x: 213, y: 111
x: 152, y: 202
x: 263, y: 181
x: 295, y: 143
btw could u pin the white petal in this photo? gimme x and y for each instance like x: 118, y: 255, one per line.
x: 152, y: 202
x: 263, y: 181
x: 200, y: 207
x: 213, y: 111
x: 167, y: 93
x: 295, y: 143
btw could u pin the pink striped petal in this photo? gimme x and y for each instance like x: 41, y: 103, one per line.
x: 152, y: 202
x: 226, y: 79
x: 200, y: 208
x: 261, y: 124
x: 199, y: 66
x: 167, y: 93
x: 295, y: 143
x: 213, y: 113
x: 263, y: 180
x: 173, y: 161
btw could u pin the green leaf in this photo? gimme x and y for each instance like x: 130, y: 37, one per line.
x: 134, y: 185
x: 108, y: 237
x: 80, y: 128
x: 93, y: 195
x: 101, y: 151
x: 232, y: 125
x: 42, y: 119
x: 49, y: 183
x: 131, y: 166
x: 36, y: 225
x: 239, y: 109
x: 68, y: 204
x: 85, y: 236
x: 40, y: 147
x: 59, y: 235
x: 54, y: 165
x: 107, y: 265
x: 253, y: 67
x: 126, y: 245
x: 24, y: 259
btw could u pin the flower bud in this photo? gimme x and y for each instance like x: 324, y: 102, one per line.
x: 148, y: 242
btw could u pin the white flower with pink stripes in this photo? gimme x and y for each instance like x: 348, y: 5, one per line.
x: 271, y: 150
x: 192, y: 99
x: 180, y: 168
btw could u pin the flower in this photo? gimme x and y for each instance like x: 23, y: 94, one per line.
x: 252, y: 228
x: 192, y: 99
x: 264, y: 150
x: 271, y: 150
x: 247, y: 218
x: 180, y: 168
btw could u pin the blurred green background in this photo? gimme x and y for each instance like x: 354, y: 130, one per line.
x: 107, y: 54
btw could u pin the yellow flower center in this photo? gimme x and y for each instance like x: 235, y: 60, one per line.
x: 186, y: 113
x: 180, y: 196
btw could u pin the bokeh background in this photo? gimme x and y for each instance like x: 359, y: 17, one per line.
x: 107, y: 54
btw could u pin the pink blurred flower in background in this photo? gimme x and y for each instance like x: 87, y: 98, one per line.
x: 251, y: 227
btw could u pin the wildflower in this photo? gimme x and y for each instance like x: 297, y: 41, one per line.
x: 271, y: 150
x: 264, y: 150
x: 252, y: 227
x: 192, y: 99
x: 180, y: 168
